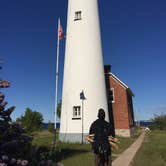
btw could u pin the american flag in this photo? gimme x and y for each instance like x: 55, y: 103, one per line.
x: 60, y: 31
x: 4, y: 84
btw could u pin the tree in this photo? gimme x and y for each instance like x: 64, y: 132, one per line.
x: 14, y: 142
x: 50, y: 127
x: 31, y: 120
x: 159, y: 122
x: 59, y: 108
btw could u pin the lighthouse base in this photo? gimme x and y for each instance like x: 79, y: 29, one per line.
x: 72, y: 137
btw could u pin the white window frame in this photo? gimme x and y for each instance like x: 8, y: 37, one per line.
x: 78, y: 15
x: 113, y: 94
x: 76, y: 112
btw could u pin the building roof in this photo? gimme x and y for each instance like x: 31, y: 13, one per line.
x: 122, y: 83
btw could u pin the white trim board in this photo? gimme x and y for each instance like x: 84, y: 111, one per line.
x: 121, y: 83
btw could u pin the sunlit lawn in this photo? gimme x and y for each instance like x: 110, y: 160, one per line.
x: 43, y: 138
x: 153, y: 150
x: 83, y: 155
x: 76, y: 154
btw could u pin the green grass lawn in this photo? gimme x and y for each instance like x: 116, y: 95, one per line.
x: 82, y: 155
x: 42, y: 138
x: 153, y: 150
x: 76, y: 154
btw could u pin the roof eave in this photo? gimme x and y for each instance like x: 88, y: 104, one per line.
x: 130, y: 91
x: 123, y: 84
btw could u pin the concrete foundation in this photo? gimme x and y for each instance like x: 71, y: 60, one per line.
x: 125, y: 132
x: 72, y: 137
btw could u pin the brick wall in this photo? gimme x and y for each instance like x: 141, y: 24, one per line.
x: 120, y: 106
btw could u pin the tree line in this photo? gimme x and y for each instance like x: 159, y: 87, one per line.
x: 159, y: 122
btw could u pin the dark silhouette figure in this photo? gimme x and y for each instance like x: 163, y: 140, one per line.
x: 99, y: 133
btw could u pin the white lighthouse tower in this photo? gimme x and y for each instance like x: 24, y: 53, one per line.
x: 83, y: 71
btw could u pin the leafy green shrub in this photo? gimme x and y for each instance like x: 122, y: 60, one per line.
x: 31, y: 120
x: 159, y: 122
x: 14, y: 141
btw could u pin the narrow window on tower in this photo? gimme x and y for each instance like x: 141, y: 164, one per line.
x: 77, y: 15
x: 76, y: 112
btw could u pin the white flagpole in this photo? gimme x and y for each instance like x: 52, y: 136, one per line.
x: 57, y: 73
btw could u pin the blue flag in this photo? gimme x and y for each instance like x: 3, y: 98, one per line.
x: 82, y: 96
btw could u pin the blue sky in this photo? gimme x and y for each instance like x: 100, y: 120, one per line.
x: 134, y: 43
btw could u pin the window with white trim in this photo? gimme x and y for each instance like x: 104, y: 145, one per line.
x: 77, y: 16
x: 76, y: 112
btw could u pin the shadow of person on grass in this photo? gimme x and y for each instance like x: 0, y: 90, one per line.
x: 68, y: 152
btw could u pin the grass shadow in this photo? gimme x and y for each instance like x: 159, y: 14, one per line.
x: 68, y: 152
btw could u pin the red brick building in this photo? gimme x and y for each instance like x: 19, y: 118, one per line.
x: 120, y: 105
